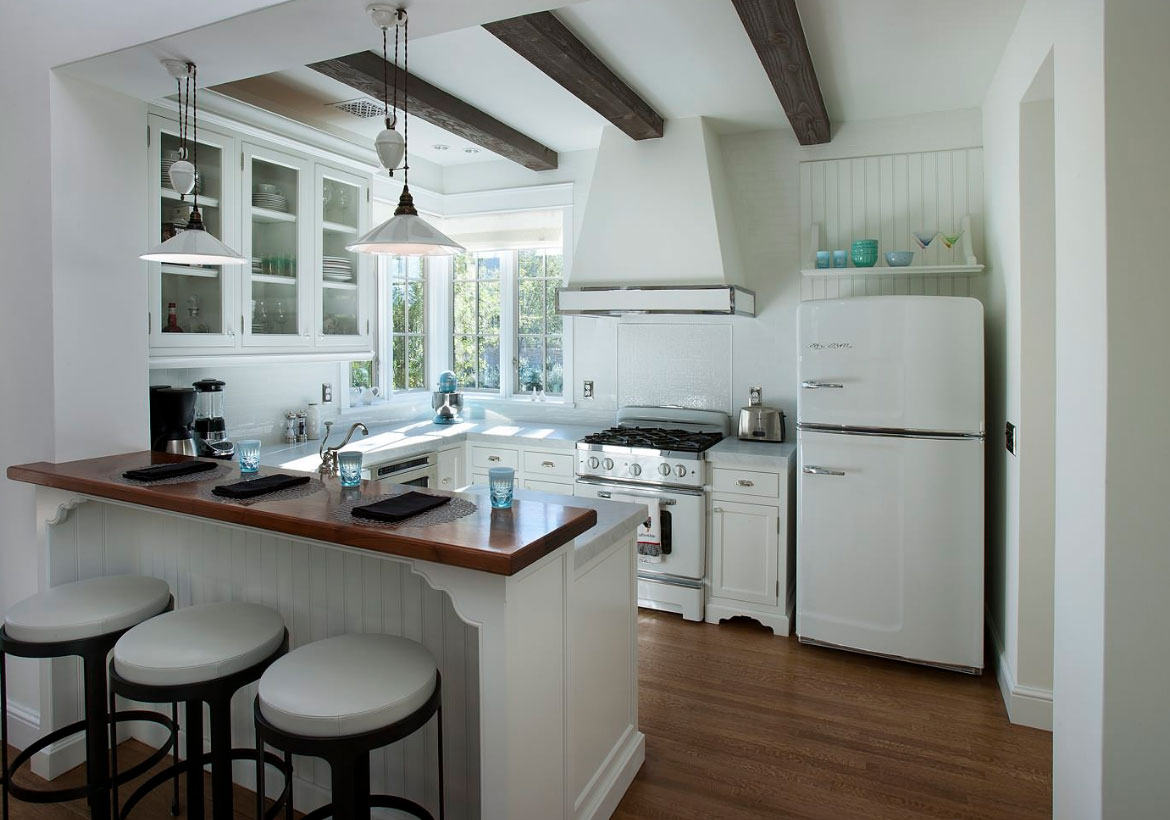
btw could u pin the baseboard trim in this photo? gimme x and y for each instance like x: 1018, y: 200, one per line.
x: 24, y: 729
x: 600, y: 798
x: 1026, y: 705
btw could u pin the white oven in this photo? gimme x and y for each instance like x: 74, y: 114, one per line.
x: 416, y: 471
x: 676, y: 583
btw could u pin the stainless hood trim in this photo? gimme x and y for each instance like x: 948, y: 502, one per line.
x: 741, y: 301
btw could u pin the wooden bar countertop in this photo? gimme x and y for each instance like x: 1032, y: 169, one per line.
x: 496, y: 541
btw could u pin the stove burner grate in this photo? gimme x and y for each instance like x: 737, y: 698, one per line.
x: 655, y: 438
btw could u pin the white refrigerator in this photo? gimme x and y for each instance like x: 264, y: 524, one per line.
x: 890, y: 494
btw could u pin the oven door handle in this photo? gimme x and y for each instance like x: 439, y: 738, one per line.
x: 665, y: 502
x: 645, y: 492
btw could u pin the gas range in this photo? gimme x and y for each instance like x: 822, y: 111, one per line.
x: 657, y: 446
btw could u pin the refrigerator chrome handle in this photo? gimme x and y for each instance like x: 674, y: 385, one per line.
x: 812, y: 385
x: 821, y: 471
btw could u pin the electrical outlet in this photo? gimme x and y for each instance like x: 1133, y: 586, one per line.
x: 326, y: 393
x: 587, y: 392
x: 1010, y: 438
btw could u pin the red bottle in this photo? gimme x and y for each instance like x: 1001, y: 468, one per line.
x: 172, y: 320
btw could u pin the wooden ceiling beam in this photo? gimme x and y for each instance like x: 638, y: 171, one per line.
x: 363, y: 73
x: 775, y: 31
x: 544, y: 41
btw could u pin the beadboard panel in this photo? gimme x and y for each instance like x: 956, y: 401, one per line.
x: 887, y: 198
x: 320, y: 591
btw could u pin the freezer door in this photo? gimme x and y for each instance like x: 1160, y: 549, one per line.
x: 894, y: 362
x: 890, y: 546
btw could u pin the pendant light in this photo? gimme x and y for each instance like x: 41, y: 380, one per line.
x: 406, y: 233
x: 193, y: 246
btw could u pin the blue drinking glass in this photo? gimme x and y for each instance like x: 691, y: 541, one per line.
x: 349, y: 467
x: 248, y: 452
x: 500, y: 482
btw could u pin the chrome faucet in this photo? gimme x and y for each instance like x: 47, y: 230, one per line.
x: 329, y: 454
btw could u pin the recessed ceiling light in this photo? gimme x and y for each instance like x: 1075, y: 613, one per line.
x: 438, y: 146
x: 471, y: 150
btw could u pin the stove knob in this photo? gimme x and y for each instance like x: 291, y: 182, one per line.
x: 635, y: 470
x: 681, y: 470
x: 608, y: 464
x: 593, y: 462
x: 663, y: 469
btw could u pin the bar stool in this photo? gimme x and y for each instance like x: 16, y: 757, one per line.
x: 82, y: 618
x: 200, y: 654
x: 341, y: 698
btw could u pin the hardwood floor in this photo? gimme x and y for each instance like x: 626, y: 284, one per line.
x: 740, y: 725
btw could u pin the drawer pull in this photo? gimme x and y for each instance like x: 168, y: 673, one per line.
x: 547, y: 464
x: 493, y: 458
x: 743, y: 482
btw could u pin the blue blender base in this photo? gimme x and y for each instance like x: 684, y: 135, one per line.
x: 445, y: 420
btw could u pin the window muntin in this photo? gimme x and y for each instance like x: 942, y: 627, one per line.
x: 540, y: 355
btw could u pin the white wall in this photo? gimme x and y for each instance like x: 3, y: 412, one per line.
x: 1136, y: 661
x: 1071, y: 30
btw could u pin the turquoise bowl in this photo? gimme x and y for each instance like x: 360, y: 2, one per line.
x: 899, y: 259
x: 864, y: 253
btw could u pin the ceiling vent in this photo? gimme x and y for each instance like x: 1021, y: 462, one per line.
x: 363, y: 108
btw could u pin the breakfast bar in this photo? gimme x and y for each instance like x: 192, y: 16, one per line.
x: 529, y: 613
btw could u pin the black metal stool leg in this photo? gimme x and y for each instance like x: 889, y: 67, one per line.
x: 442, y: 797
x: 114, y: 753
x: 175, y: 755
x: 97, y: 738
x: 259, y: 777
x: 221, y: 758
x: 351, y: 786
x: 4, y: 735
x: 288, y: 808
x: 194, y: 756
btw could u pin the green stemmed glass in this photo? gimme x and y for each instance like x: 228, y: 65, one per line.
x: 952, y: 239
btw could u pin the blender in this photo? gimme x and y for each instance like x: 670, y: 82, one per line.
x: 210, y: 427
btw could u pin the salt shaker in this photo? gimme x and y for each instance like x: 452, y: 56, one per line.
x: 290, y: 427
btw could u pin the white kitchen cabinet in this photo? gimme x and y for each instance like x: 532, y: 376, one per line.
x: 451, y: 471
x: 752, y: 569
x: 290, y: 213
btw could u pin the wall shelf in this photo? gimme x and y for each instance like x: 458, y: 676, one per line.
x: 907, y: 270
x: 266, y: 216
x: 204, y: 201
x: 337, y: 227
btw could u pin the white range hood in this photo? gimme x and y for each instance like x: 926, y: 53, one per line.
x: 657, y: 235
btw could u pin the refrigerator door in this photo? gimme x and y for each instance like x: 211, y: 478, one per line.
x: 890, y: 546
x: 892, y: 362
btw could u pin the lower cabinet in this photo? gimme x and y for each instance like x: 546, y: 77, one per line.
x: 451, y: 472
x: 752, y: 570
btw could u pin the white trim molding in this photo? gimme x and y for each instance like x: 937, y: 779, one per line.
x: 1026, y: 705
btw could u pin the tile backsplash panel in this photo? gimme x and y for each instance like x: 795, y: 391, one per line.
x: 686, y: 365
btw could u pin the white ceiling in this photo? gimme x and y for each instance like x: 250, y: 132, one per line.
x: 874, y: 58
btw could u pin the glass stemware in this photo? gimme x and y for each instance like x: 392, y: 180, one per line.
x: 952, y: 239
x: 924, y: 238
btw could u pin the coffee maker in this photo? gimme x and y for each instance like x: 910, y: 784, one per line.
x: 172, y: 410
x: 210, y: 428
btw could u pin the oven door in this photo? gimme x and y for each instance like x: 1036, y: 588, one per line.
x: 684, y: 530
x: 420, y: 471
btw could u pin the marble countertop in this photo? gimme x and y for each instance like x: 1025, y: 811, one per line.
x: 737, y: 453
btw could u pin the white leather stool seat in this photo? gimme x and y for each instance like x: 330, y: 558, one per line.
x: 198, y: 643
x: 347, y: 685
x: 85, y: 609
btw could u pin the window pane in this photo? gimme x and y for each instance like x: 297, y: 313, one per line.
x: 554, y: 366
x: 488, y: 267
x: 361, y: 374
x: 530, y: 296
x: 464, y: 308
x: 489, y: 364
x: 529, y: 373
x: 554, y: 319
x: 529, y: 264
x: 489, y: 308
x: 463, y: 267
x: 414, y: 268
x: 398, y: 307
x: 399, y: 355
x: 464, y: 361
x: 414, y: 306
x: 415, y: 362
x: 555, y: 266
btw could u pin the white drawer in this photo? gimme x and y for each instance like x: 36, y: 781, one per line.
x: 745, y: 482
x: 550, y: 464
x: 482, y: 478
x: 487, y: 457
x: 548, y: 486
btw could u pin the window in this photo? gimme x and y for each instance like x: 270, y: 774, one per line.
x: 407, y: 330
x: 540, y: 356
x: 476, y: 302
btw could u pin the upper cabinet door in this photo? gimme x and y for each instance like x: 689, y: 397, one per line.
x: 344, y: 280
x: 200, y: 298
x: 277, y: 299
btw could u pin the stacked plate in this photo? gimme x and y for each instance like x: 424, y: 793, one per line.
x: 337, y: 268
x: 271, y: 201
x: 257, y: 265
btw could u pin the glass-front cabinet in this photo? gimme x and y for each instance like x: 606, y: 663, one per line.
x: 191, y: 305
x: 291, y: 216
x: 343, y: 311
x: 276, y: 300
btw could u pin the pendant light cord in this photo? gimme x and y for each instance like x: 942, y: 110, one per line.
x: 405, y: 99
x: 194, y: 97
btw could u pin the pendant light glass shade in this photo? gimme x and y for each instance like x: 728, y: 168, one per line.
x: 194, y: 246
x: 406, y: 234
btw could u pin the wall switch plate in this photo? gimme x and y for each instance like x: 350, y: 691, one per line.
x: 587, y: 391
x: 326, y: 393
x: 1010, y: 438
